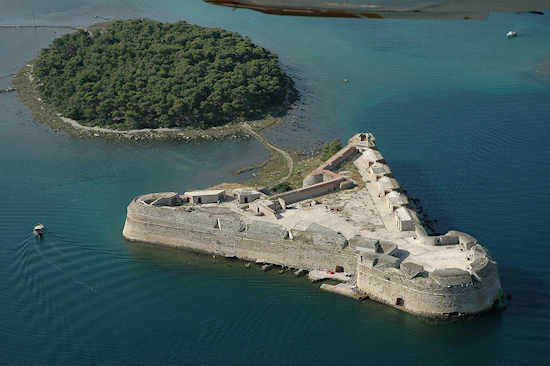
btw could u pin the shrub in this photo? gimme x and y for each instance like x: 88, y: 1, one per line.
x: 331, y: 148
x: 281, y: 187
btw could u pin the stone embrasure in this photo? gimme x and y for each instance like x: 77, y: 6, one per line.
x: 327, y: 226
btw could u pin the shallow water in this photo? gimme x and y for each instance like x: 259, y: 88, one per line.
x: 457, y: 111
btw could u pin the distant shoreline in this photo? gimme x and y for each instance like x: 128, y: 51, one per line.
x: 27, y: 90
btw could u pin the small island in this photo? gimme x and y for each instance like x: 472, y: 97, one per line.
x: 142, y: 74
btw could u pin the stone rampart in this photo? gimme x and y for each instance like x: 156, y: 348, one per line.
x: 221, y: 232
x: 312, y: 191
x: 343, y: 155
x: 422, y: 295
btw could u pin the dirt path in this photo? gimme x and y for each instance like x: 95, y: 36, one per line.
x: 269, y: 145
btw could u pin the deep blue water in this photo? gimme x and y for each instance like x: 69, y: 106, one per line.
x: 457, y: 111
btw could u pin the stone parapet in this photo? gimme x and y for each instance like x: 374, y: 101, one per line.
x: 424, y: 296
x: 254, y: 240
x: 441, y: 293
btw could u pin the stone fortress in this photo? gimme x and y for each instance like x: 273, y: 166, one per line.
x: 365, y: 234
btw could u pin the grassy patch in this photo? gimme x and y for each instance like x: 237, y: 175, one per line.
x: 275, y: 168
x: 272, y: 172
x: 355, y: 175
x: 303, y: 165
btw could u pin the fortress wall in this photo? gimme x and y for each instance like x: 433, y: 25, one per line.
x: 199, y: 230
x: 312, y: 191
x: 346, y: 153
x: 424, y: 297
x: 420, y: 296
x: 291, y: 253
x: 363, y: 165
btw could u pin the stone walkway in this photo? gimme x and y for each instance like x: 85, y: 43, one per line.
x: 269, y: 145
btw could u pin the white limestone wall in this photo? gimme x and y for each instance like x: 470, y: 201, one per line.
x: 311, y: 191
x: 423, y: 297
x: 257, y: 247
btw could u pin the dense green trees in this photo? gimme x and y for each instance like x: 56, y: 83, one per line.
x: 146, y: 74
x: 281, y: 187
x: 330, y: 148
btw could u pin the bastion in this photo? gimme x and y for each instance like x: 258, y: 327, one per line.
x: 367, y: 234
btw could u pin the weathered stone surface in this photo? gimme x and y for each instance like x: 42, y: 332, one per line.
x: 312, y: 179
x: 388, y: 248
x: 411, y: 270
x: 323, y: 236
x: 387, y: 261
x: 172, y: 200
x: 479, y: 264
x: 451, y: 277
x: 360, y: 242
x: 467, y: 245
x: 230, y: 224
x: 347, y: 184
x: 267, y: 230
x: 447, y: 240
x: 466, y: 241
x: 200, y: 219
x: 476, y: 252
x: 368, y: 257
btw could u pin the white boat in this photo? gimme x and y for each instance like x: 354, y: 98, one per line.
x: 511, y: 34
x: 38, y: 230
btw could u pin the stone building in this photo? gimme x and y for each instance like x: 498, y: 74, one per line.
x: 264, y: 207
x: 206, y: 196
x: 403, y: 219
x: 386, y: 185
x: 378, y: 170
x: 395, y: 199
x: 373, y: 156
x: 363, y: 140
x: 243, y: 195
x: 312, y: 179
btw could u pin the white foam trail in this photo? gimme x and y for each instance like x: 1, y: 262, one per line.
x: 60, y: 269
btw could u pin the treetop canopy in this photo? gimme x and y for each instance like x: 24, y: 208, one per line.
x: 147, y: 74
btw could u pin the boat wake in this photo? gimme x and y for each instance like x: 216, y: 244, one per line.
x: 36, y: 243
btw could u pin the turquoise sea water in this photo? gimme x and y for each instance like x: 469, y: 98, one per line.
x: 457, y: 111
